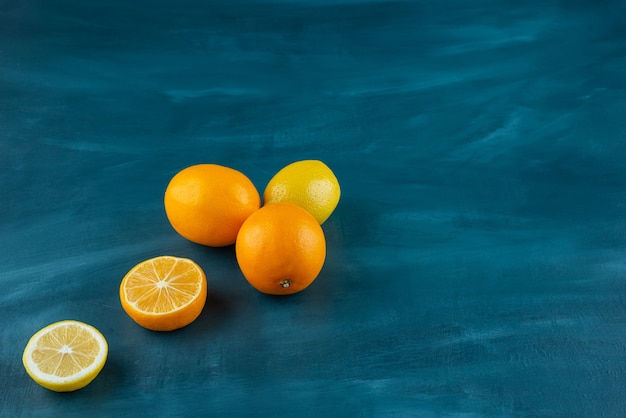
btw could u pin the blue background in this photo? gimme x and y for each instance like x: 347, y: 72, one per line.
x: 476, y: 261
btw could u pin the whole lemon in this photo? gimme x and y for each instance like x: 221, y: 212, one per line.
x: 280, y: 249
x: 207, y: 203
x: 310, y: 184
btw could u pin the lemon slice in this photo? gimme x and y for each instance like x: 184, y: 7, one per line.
x: 65, y: 356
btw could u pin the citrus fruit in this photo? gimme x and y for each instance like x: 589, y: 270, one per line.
x: 310, y: 184
x: 280, y: 249
x: 65, y: 356
x: 164, y: 293
x: 207, y: 203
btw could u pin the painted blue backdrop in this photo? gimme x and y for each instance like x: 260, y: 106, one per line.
x: 477, y: 259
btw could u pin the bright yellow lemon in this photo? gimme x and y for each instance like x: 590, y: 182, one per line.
x: 65, y: 356
x: 310, y: 184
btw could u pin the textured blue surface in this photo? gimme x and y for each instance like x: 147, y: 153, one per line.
x: 476, y: 262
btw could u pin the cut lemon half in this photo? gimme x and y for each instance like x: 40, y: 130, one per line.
x: 164, y: 293
x: 65, y: 356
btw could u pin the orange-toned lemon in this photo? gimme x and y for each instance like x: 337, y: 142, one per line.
x: 280, y: 249
x: 310, y: 184
x: 207, y: 203
x: 65, y: 356
x: 164, y: 293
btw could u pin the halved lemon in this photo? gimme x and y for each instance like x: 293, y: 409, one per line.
x: 65, y: 356
x: 164, y: 293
